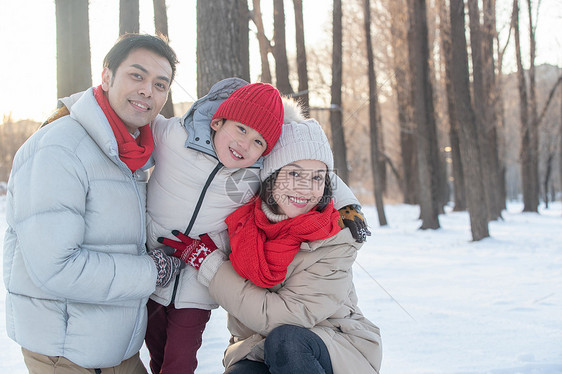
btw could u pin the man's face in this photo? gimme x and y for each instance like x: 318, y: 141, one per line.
x: 138, y: 89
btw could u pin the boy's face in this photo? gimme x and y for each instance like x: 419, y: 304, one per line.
x: 138, y: 88
x: 237, y: 145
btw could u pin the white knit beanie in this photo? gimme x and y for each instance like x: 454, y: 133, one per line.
x: 303, y: 140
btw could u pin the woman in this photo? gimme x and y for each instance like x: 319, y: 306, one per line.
x: 288, y: 287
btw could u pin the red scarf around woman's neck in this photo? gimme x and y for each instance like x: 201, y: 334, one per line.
x: 261, y: 250
x: 133, y: 152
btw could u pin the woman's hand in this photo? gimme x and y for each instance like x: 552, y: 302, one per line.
x: 352, y: 218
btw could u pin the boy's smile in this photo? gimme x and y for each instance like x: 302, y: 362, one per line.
x: 237, y: 145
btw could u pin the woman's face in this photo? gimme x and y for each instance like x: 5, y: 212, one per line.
x: 299, y: 186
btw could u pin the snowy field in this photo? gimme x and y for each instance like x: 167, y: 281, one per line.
x: 444, y: 304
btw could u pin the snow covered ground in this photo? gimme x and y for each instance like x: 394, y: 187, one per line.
x: 444, y: 304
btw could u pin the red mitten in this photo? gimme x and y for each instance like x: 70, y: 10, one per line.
x: 192, y: 251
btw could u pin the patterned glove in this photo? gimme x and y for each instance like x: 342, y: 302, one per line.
x: 192, y: 251
x: 352, y: 218
x: 167, y: 267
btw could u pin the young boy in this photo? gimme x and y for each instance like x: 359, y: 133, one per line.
x: 207, y: 165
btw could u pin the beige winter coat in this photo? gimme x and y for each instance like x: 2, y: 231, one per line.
x: 317, y: 293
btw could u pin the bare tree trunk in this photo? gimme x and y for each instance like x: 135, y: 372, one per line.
x: 499, y: 109
x: 222, y: 30
x: 529, y: 203
x: 128, y: 16
x: 467, y: 123
x: 533, y: 131
x: 439, y: 188
x: 481, y: 108
x: 491, y: 116
x: 161, y: 28
x: 547, y: 177
x: 374, y: 118
x: 457, y: 169
x: 399, y: 35
x: 74, y: 72
x: 382, y: 152
x: 302, y: 69
x: 424, y: 116
x: 280, y: 49
x: 336, y: 112
x: 265, y: 45
x: 160, y: 17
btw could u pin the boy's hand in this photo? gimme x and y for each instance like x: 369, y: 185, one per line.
x: 352, y: 218
x: 192, y: 251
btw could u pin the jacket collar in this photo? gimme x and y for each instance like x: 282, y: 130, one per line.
x: 85, y: 110
x: 342, y: 237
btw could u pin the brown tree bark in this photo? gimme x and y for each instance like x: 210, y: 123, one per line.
x: 481, y: 105
x: 423, y: 115
x: 491, y: 115
x: 222, y: 42
x: 439, y: 188
x: 74, y: 71
x: 457, y: 169
x: 499, y: 108
x: 533, y: 131
x: 402, y: 80
x: 530, y: 204
x: 467, y: 123
x: 264, y: 43
x: 302, y: 94
x: 374, y: 123
x: 161, y: 28
x: 280, y: 49
x: 128, y: 16
x: 336, y: 112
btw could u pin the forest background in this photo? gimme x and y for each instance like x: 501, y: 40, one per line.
x: 461, y: 115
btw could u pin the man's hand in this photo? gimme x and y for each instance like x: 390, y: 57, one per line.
x: 166, y: 266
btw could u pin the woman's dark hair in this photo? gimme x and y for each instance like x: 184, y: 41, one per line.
x: 266, y: 193
x: 129, y: 42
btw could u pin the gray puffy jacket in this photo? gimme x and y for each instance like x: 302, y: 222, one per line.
x: 75, y: 264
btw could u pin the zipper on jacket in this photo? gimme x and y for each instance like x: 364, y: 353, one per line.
x: 194, y: 217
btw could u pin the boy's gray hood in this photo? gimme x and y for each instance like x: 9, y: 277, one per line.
x: 198, y: 118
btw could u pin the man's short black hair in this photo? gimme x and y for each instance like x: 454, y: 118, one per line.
x: 130, y: 42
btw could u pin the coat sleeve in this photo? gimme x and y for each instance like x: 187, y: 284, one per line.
x: 308, y: 296
x: 49, y: 220
x: 343, y: 195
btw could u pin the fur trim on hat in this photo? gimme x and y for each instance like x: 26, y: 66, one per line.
x: 293, y: 110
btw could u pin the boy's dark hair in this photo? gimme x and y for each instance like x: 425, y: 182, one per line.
x: 266, y: 193
x: 129, y: 42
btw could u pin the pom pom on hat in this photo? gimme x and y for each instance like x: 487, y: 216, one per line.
x: 257, y: 105
x: 299, y: 141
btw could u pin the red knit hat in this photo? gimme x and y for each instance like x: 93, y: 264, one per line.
x: 257, y: 105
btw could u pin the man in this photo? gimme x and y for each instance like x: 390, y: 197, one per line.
x: 75, y: 264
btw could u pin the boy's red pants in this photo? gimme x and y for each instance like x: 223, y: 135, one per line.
x: 173, y: 337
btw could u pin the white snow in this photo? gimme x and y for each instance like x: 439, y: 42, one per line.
x: 444, y: 304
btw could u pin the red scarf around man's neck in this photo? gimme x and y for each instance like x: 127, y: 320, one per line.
x: 133, y: 152
x: 261, y: 250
